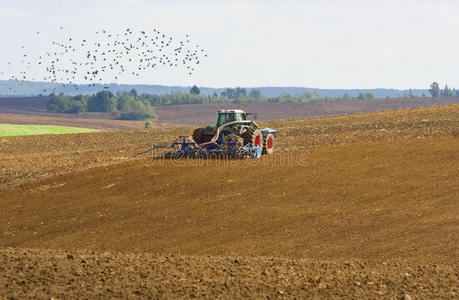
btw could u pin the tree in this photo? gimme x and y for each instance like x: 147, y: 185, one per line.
x: 369, y: 95
x: 123, y: 106
x: 448, y: 92
x: 195, y: 90
x: 125, y: 102
x: 66, y: 104
x: 228, y: 93
x: 316, y: 94
x: 241, y: 93
x: 102, y: 102
x: 435, y: 90
x: 255, y: 94
x: 307, y: 95
x: 133, y: 92
x: 76, y: 107
x: 59, y: 103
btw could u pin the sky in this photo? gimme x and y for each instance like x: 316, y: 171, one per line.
x: 319, y: 44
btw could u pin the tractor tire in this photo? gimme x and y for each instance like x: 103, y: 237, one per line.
x: 198, y: 135
x: 253, y: 137
x: 268, y: 144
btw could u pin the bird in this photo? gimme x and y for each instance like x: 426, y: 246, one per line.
x: 111, y: 58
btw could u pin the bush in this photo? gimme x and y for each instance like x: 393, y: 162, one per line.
x: 64, y: 104
x: 56, y: 104
x: 137, y: 116
x: 76, y: 107
x: 148, y: 124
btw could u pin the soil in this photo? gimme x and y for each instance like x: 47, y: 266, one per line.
x: 26, y: 274
x: 91, y: 123
x: 320, y: 204
x: 33, y: 158
x: 354, y: 206
x: 206, y: 114
x: 33, y: 111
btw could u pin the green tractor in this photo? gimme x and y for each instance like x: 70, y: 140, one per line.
x: 241, y: 126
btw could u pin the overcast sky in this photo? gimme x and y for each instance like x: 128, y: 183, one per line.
x: 310, y: 43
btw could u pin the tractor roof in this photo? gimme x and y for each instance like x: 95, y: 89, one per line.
x: 228, y: 111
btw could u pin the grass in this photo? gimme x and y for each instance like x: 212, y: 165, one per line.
x: 17, y: 130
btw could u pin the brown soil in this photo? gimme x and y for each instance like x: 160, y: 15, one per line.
x: 23, y: 105
x: 206, y: 114
x: 27, y: 273
x: 381, y: 200
x: 32, y: 158
x: 19, y: 110
x: 350, y: 206
x: 92, y: 123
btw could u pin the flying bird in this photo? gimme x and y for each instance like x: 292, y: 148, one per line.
x: 120, y: 55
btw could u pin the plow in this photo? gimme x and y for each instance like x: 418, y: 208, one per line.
x: 233, y: 137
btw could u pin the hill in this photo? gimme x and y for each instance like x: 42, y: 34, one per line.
x: 12, y: 88
x: 350, y: 206
x: 319, y: 204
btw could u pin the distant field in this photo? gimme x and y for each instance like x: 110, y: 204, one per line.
x: 17, y: 130
x: 31, y: 111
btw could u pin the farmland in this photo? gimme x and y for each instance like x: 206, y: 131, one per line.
x: 33, y: 111
x: 361, y: 205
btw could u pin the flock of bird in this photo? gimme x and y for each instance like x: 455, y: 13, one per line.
x: 108, y: 57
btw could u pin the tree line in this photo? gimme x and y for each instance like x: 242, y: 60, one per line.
x: 436, y: 91
x: 123, y: 105
x: 132, y: 106
x: 239, y: 95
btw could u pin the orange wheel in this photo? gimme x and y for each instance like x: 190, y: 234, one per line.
x: 268, y: 146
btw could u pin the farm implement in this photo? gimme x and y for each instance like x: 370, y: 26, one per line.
x: 232, y: 137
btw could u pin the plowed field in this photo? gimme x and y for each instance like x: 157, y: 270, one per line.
x: 350, y: 206
x: 33, y: 111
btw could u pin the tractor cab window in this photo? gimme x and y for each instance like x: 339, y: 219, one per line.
x: 229, y: 117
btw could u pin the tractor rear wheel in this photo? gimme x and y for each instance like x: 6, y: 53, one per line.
x: 253, y: 137
x: 268, y: 144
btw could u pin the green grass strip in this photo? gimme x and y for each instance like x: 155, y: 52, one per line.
x: 20, y: 130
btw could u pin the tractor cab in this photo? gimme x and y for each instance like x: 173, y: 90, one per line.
x: 226, y: 116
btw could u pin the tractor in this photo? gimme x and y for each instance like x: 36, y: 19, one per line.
x: 233, y: 136
x: 247, y: 129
